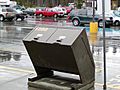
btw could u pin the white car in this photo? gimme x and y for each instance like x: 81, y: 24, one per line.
x: 60, y: 9
x: 7, y: 13
x: 116, y: 17
x: 118, y: 8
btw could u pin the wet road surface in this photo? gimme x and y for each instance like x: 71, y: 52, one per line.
x: 15, y: 64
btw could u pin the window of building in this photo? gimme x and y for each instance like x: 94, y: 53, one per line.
x: 89, y: 3
x: 115, y: 4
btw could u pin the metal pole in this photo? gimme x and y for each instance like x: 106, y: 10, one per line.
x: 104, y: 44
x: 93, y: 10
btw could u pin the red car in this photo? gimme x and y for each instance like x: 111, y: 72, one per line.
x: 48, y: 12
x: 69, y: 9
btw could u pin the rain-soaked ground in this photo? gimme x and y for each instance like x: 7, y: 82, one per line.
x: 15, y: 64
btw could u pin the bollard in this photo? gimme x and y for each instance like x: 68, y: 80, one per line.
x: 93, y: 27
x: 93, y: 38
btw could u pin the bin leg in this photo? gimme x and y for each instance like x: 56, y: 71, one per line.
x: 41, y: 73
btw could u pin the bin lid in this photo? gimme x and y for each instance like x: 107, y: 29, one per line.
x: 64, y: 37
x: 40, y: 34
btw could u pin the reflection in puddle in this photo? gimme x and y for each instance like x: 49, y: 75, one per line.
x: 16, y: 56
x: 9, y: 34
x: 114, y: 49
x: 7, y: 55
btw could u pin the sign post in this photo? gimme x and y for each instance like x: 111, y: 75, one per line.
x: 104, y: 44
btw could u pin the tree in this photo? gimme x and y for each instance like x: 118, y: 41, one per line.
x: 27, y: 3
x: 79, y: 3
x: 31, y: 3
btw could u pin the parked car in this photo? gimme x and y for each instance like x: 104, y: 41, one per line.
x: 7, y: 13
x: 82, y: 11
x: 48, y: 12
x: 39, y: 10
x: 60, y: 9
x: 30, y: 11
x: 69, y: 9
x: 81, y: 16
x: 20, y: 14
x: 118, y: 8
x: 72, y: 14
x: 116, y: 17
x: 18, y: 7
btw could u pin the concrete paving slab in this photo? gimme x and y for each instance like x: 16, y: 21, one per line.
x: 8, y: 74
x: 16, y: 84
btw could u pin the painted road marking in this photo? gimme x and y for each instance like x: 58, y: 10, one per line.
x: 17, y: 69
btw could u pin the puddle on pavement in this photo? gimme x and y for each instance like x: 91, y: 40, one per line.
x: 12, y: 34
x: 7, y: 56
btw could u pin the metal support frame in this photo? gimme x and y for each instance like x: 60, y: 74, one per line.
x: 104, y: 44
x: 93, y: 10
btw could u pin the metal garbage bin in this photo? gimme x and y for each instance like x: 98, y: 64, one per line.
x: 60, y: 50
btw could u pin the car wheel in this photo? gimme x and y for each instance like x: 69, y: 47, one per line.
x: 117, y: 23
x: 76, y: 22
x: 2, y: 18
x: 16, y: 18
x: 40, y: 15
x: 100, y: 24
x: 26, y: 16
x: 19, y: 18
x: 55, y: 16
x: 22, y: 18
x: 30, y: 14
x: 36, y: 15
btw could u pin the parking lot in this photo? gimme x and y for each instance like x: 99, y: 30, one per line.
x: 16, y: 66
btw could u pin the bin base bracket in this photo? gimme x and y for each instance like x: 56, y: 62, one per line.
x: 56, y: 83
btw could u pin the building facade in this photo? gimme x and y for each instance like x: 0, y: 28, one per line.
x: 109, y: 5
x: 53, y: 2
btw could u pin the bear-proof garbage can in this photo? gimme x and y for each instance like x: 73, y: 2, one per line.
x: 60, y: 50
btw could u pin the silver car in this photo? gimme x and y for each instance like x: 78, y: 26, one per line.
x: 7, y: 13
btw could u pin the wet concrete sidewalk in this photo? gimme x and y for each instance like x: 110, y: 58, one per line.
x: 13, y: 78
x: 14, y: 73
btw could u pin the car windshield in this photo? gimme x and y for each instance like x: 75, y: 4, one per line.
x: 73, y: 12
x: 117, y: 13
x: 59, y: 9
